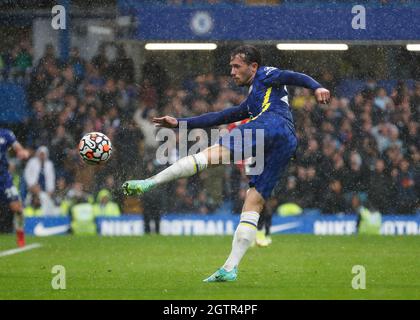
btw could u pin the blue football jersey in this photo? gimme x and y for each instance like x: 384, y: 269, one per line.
x: 266, y: 95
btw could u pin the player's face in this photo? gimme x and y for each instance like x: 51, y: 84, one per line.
x: 241, y: 72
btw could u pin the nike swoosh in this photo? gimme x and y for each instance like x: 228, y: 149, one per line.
x: 42, y: 231
x: 284, y: 226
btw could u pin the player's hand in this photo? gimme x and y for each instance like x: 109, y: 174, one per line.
x: 322, y: 95
x: 23, y: 154
x: 166, y: 122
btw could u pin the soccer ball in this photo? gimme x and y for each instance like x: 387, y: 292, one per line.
x: 95, y: 148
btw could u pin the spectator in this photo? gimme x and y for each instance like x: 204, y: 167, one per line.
x: 406, y: 188
x: 291, y: 194
x: 379, y: 187
x: 104, y: 205
x: 34, y: 208
x: 130, y: 140
x: 100, y: 60
x: 60, y: 196
x: 355, y: 178
x: 334, y: 201
x: 22, y: 57
x: 122, y: 67
x: 48, y: 59
x: 108, y: 95
x: 40, y: 172
x: 382, y: 101
x: 154, y: 205
x: 83, y: 218
x: 61, y: 145
x: 183, y: 201
x: 156, y: 75
x: 204, y: 203
x: 312, y: 156
x: 78, y: 64
x: 41, y: 204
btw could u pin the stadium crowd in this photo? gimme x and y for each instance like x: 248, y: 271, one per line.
x: 356, y: 149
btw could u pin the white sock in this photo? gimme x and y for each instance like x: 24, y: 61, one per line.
x: 244, y: 236
x: 183, y: 168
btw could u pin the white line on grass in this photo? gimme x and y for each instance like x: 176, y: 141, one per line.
x: 18, y: 250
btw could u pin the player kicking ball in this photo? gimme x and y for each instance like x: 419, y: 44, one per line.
x: 9, y: 195
x: 268, y: 109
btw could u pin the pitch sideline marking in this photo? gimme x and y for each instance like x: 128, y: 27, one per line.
x: 19, y: 250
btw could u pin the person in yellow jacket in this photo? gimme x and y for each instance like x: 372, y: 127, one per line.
x: 83, y: 218
x: 34, y: 209
x: 369, y: 221
x: 104, y: 205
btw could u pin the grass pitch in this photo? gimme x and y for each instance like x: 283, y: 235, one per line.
x: 173, y: 267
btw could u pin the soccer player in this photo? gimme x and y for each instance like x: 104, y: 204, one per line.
x: 9, y: 195
x: 268, y: 109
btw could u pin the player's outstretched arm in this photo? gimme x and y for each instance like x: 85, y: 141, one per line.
x: 206, y: 120
x: 286, y: 77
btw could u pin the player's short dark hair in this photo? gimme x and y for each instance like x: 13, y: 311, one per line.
x: 250, y: 54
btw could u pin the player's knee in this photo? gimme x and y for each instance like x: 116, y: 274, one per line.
x: 217, y: 155
x: 254, y: 201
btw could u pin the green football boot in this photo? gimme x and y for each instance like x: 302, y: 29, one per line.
x: 137, y: 187
x: 222, y: 275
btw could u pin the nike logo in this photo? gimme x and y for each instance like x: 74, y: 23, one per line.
x: 284, y: 227
x: 42, y: 231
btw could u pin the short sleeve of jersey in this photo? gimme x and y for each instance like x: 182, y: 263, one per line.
x: 10, y: 138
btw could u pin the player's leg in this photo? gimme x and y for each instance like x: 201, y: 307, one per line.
x: 276, y: 157
x: 247, y: 229
x: 243, y: 237
x: 10, y: 196
x: 19, y: 219
x: 183, y: 168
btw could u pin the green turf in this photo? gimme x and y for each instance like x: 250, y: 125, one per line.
x: 163, y: 267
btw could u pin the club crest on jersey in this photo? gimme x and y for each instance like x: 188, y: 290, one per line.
x: 2, y: 141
